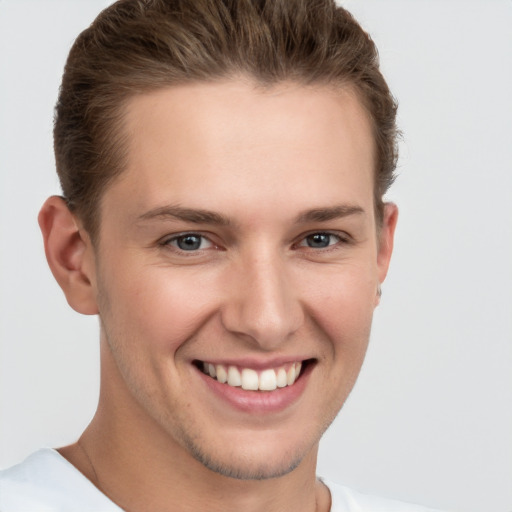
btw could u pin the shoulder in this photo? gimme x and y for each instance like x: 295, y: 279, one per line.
x: 45, y: 481
x: 345, y: 499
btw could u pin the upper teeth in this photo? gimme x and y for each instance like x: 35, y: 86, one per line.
x: 249, y: 379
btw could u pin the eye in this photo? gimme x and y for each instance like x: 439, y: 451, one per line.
x: 320, y: 240
x: 189, y: 242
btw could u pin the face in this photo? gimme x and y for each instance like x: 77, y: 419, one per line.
x: 237, y: 268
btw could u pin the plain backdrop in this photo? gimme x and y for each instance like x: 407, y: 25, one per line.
x: 430, y: 419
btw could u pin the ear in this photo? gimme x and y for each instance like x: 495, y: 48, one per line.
x: 385, y: 242
x: 70, y: 255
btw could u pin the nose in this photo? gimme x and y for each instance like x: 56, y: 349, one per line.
x: 262, y: 302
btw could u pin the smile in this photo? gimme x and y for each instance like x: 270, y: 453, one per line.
x: 252, y: 380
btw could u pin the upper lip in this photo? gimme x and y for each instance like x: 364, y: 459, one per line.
x: 256, y: 363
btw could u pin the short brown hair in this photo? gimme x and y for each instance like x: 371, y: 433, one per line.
x: 136, y: 46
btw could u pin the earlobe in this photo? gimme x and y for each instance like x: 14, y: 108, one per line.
x: 70, y: 255
x: 386, y: 239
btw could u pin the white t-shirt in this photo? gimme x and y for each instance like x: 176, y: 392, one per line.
x: 47, y: 482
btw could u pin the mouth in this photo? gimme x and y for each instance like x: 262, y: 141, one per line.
x: 250, y: 379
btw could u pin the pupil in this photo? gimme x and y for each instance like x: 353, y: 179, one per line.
x: 189, y: 242
x: 319, y: 240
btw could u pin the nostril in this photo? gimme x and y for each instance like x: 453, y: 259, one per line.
x: 264, y: 308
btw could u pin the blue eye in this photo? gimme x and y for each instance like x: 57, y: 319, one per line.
x: 189, y: 242
x: 320, y: 240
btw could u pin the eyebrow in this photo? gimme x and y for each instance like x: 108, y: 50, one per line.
x: 200, y: 216
x: 329, y: 213
x: 195, y: 216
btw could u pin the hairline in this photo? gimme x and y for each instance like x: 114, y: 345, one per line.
x: 92, y: 219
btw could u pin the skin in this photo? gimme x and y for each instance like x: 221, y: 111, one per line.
x: 275, y: 166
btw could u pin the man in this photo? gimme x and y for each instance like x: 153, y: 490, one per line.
x: 223, y: 166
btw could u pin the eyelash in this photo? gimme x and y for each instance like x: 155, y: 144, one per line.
x: 182, y: 236
x: 342, y: 239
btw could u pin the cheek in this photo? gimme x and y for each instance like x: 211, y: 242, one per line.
x: 343, y: 296
x: 342, y: 306
x: 159, y: 308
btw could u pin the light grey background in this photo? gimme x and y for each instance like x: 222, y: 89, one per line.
x: 430, y: 419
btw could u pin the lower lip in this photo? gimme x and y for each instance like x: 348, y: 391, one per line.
x: 259, y: 402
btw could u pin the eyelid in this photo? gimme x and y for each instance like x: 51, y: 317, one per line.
x: 167, y: 240
x: 342, y: 236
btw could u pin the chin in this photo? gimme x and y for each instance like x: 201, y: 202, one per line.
x: 245, y: 459
x: 245, y: 466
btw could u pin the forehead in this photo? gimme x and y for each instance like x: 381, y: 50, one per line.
x: 212, y: 143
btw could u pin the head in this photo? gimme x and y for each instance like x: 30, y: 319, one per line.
x: 223, y: 165
x: 138, y: 46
